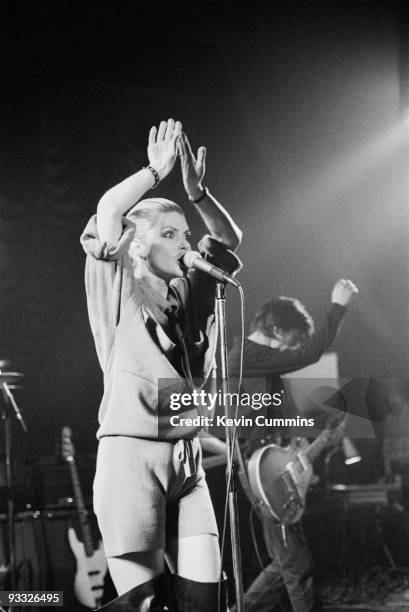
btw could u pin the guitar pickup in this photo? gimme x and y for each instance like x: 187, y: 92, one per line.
x: 288, y: 478
x: 303, y: 461
x: 293, y: 472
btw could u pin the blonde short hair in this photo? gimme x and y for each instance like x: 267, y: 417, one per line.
x: 147, y: 210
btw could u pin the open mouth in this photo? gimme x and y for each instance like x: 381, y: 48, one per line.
x: 182, y: 266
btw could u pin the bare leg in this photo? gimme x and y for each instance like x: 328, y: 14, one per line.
x: 195, y: 557
x: 132, y: 569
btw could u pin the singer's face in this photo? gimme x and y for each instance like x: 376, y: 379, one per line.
x: 168, y: 238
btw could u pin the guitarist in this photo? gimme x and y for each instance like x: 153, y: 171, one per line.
x: 282, y: 340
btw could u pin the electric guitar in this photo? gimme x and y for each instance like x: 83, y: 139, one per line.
x: 91, y: 562
x: 278, y: 477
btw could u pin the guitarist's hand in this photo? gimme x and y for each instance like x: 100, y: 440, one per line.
x: 343, y: 292
x: 211, y: 444
x: 314, y: 480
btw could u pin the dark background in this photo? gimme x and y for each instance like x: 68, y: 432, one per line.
x: 303, y: 109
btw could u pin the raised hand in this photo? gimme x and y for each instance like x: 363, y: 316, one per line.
x: 343, y: 292
x: 163, y: 146
x: 193, y: 168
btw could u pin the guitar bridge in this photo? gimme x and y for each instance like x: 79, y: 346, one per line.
x: 303, y: 461
x: 289, y: 480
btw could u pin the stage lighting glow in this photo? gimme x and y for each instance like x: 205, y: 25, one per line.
x: 350, y: 452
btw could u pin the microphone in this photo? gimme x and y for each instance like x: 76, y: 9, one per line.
x: 193, y: 259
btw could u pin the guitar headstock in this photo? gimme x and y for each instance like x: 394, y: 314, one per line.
x: 337, y: 428
x: 67, y: 447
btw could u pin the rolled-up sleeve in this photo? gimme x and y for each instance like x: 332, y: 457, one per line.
x: 108, y: 283
x: 219, y: 254
x: 203, y: 286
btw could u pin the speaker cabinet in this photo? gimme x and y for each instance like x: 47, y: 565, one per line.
x: 43, y: 557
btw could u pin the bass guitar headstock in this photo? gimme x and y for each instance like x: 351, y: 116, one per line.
x: 67, y: 447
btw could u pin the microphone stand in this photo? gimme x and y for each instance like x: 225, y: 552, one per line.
x: 9, y: 400
x: 232, y: 492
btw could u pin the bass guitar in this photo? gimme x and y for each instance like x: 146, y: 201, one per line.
x: 91, y: 562
x: 279, y: 477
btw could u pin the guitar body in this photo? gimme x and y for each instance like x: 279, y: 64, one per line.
x: 90, y: 572
x: 280, y: 477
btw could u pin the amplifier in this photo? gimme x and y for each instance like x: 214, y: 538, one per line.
x: 377, y: 494
x: 52, y: 487
x: 44, y: 559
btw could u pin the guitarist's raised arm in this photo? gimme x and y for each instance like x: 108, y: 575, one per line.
x: 282, y: 337
x: 341, y: 295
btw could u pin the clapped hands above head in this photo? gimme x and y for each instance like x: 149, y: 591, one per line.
x: 193, y: 168
x: 163, y: 146
x: 343, y: 292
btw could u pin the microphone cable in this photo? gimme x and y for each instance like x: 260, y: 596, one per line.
x: 233, y: 438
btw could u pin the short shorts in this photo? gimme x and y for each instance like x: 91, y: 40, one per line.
x: 149, y: 491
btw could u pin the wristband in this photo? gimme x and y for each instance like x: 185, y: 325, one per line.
x: 203, y: 195
x: 155, y: 175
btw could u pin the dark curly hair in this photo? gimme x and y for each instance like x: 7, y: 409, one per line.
x: 285, y: 313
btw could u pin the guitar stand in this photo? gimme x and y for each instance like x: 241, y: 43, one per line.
x: 6, y: 418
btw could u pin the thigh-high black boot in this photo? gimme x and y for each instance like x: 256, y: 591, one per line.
x: 193, y: 596
x: 151, y: 596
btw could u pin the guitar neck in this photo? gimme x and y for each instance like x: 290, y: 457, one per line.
x: 81, y: 509
x: 315, y: 448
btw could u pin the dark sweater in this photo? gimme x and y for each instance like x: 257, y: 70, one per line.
x: 262, y: 362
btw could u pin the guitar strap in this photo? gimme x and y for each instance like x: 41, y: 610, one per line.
x: 257, y: 503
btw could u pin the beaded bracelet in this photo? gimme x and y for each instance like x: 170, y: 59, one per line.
x: 155, y: 175
x: 203, y: 195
